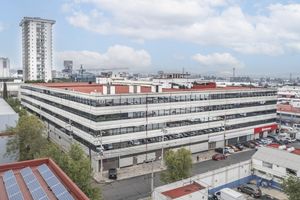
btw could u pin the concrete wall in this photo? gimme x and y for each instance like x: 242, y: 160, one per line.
x: 230, y: 176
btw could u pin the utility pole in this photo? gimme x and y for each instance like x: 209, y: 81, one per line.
x: 152, y: 178
x: 164, y: 131
x: 224, y: 134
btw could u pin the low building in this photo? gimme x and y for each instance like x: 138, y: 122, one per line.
x: 181, y: 191
x: 210, y: 182
x: 37, y: 179
x: 271, y: 165
x: 8, y: 117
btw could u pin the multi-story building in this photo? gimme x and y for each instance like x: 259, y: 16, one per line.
x: 288, y: 106
x: 131, y: 124
x: 68, y: 67
x: 37, y: 48
x: 4, y: 67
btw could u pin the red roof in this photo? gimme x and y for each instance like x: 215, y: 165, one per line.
x: 184, y: 190
x: 71, y: 187
x: 124, y: 89
x: 274, y: 145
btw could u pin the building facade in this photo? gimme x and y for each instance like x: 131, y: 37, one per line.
x: 37, y: 48
x: 288, y: 106
x: 130, y: 124
x: 4, y: 67
x: 272, y: 165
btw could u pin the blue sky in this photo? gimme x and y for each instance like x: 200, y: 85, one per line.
x: 258, y: 38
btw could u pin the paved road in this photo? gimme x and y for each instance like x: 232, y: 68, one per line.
x: 140, y: 187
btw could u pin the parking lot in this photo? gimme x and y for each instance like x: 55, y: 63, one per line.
x: 268, y: 194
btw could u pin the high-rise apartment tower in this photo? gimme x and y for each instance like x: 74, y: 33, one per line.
x: 37, y: 48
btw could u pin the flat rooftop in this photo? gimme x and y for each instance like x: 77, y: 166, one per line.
x: 5, y: 108
x: 183, y: 191
x: 37, y: 179
x: 88, y: 88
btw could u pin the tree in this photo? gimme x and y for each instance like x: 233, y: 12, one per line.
x: 28, y: 138
x: 75, y: 164
x: 291, y: 187
x: 16, y: 106
x: 4, y: 93
x: 179, y: 165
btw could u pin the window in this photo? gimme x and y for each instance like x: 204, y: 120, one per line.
x: 291, y: 171
x: 268, y: 165
x: 212, y: 145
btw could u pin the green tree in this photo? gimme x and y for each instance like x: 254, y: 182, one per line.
x: 76, y: 165
x: 16, y: 106
x: 291, y: 187
x: 28, y: 138
x: 179, y: 165
x: 5, y: 93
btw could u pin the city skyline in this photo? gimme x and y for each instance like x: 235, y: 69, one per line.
x: 258, y: 39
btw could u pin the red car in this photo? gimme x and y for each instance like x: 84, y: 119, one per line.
x: 219, y: 157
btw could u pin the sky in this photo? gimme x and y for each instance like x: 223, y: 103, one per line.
x: 257, y: 38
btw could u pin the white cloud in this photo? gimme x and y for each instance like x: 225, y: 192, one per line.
x: 206, y: 22
x: 116, y: 57
x: 217, y: 60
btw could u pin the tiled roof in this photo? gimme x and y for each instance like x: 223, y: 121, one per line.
x: 21, y: 185
x: 184, y: 190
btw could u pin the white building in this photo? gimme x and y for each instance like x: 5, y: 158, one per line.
x: 4, y: 67
x: 273, y: 164
x: 133, y: 123
x: 181, y: 190
x: 230, y: 176
x: 288, y: 106
x: 37, y: 48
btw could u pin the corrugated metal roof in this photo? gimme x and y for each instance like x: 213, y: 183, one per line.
x: 5, y: 108
x: 279, y: 157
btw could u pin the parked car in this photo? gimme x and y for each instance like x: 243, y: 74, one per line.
x: 240, y: 146
x: 212, y: 197
x: 112, y: 173
x: 219, y: 150
x: 251, y: 190
x: 249, y: 145
x: 228, y: 150
x: 219, y: 156
x: 234, y: 148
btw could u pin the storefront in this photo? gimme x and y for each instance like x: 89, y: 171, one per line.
x: 263, y: 131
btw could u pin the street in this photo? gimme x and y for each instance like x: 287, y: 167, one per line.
x: 140, y: 187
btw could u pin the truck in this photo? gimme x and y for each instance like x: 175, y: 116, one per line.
x: 229, y: 194
x: 298, y: 136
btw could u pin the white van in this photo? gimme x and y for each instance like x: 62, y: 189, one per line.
x: 229, y: 194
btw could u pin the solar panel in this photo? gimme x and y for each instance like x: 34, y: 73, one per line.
x: 52, y: 181
x: 33, y: 185
x: 11, y: 186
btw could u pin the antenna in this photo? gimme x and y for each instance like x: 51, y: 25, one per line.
x: 233, y: 72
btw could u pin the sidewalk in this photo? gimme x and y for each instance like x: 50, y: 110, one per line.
x: 146, y: 168
x: 274, y: 193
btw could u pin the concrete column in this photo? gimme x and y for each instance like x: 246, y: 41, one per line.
x: 104, y: 90
x: 131, y: 89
